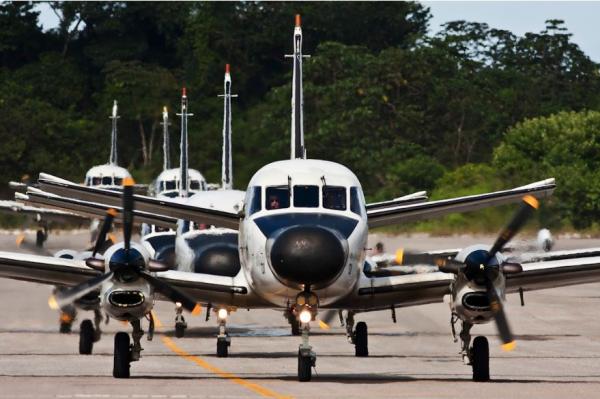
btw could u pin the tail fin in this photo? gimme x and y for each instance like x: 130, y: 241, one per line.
x: 298, y: 149
x: 113, y: 140
x: 166, y: 142
x: 227, y: 173
x: 185, y: 184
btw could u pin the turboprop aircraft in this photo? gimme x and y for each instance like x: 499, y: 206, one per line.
x: 302, y: 246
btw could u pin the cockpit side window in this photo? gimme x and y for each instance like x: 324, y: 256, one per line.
x: 118, y: 181
x: 194, y: 185
x: 356, y: 201
x: 277, y: 197
x: 334, y: 198
x: 107, y: 181
x: 170, y: 185
x: 306, y: 196
x: 254, y: 200
x: 96, y: 181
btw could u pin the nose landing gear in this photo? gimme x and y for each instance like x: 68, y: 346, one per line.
x: 306, y: 309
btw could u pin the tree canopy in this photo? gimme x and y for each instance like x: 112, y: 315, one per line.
x: 406, y: 111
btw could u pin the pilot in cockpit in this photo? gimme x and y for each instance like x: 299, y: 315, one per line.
x: 273, y: 202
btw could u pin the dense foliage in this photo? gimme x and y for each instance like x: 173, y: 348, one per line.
x: 466, y: 110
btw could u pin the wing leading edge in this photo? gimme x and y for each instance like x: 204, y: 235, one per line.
x: 384, y: 216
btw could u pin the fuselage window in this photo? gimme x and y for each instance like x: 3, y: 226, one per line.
x: 277, y: 197
x: 334, y: 198
x: 171, y: 185
x: 107, y: 181
x: 306, y: 196
x: 118, y: 181
x: 194, y: 185
x: 356, y: 203
x: 254, y: 200
x: 96, y: 181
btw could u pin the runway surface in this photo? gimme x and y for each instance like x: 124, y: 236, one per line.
x: 557, y: 355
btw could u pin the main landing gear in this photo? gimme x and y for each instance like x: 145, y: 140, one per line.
x: 478, y: 355
x: 125, y: 352
x: 90, y: 333
x: 359, y: 337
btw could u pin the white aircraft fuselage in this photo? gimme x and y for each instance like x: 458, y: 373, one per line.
x: 314, y: 240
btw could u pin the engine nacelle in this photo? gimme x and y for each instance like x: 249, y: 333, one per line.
x: 469, y: 298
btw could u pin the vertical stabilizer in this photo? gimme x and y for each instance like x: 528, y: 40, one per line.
x: 113, y: 140
x: 298, y: 149
x: 166, y: 142
x: 227, y: 172
x: 184, y: 180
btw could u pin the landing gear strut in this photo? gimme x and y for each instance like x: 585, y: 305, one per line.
x: 223, y: 339
x: 307, y: 359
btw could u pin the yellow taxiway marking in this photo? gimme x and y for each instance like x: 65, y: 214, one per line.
x: 262, y: 391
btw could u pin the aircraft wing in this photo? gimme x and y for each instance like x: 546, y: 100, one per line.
x: 420, y: 196
x: 417, y: 289
x: 39, y: 213
x: 150, y: 205
x: 44, y: 269
x: 203, y: 288
x: 89, y: 209
x: 389, y: 215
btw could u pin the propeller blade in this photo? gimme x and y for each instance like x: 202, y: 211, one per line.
x: 415, y: 258
x: 326, y: 318
x: 101, y: 239
x: 128, y: 184
x: 70, y: 295
x: 508, y: 341
x: 449, y: 265
x: 172, y: 293
x: 529, y: 205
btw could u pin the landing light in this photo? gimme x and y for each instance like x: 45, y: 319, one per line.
x: 222, y: 314
x: 305, y: 316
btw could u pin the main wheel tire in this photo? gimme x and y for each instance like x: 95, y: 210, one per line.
x: 86, y: 337
x: 361, y: 340
x: 295, y: 324
x: 40, y: 237
x: 304, y: 368
x: 222, y: 348
x: 480, y: 359
x: 179, y: 330
x: 122, y: 356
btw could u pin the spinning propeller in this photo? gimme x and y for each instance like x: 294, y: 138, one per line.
x: 483, y: 268
x: 125, y: 264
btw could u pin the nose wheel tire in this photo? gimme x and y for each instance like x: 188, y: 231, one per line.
x: 295, y: 325
x: 86, y: 337
x: 122, y: 356
x: 40, y: 238
x: 361, y: 340
x: 65, y: 327
x: 480, y: 359
x: 179, y: 330
x: 223, y: 347
x: 305, y: 364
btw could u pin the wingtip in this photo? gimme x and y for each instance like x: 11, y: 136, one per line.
x: 298, y: 20
x: 227, y: 68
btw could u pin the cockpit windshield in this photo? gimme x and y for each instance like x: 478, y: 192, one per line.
x: 277, y: 197
x: 171, y: 185
x: 334, y: 198
x: 107, y: 181
x: 306, y: 196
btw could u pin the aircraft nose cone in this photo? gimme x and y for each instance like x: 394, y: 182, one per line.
x: 223, y: 260
x: 307, y: 255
